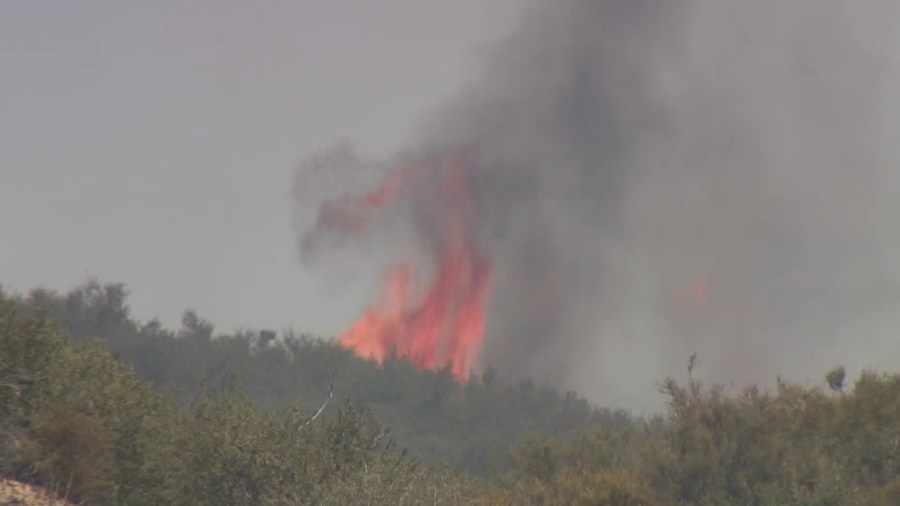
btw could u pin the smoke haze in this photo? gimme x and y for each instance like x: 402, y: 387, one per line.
x: 653, y: 178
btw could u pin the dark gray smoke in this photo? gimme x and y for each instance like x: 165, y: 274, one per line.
x: 659, y: 177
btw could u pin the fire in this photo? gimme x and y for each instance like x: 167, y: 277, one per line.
x: 443, y: 323
x: 694, y: 297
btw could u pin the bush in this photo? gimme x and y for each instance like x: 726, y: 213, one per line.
x: 74, y: 419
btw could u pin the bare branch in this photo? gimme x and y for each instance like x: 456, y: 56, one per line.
x: 322, y: 407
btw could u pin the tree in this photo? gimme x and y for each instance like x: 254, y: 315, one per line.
x: 835, y: 379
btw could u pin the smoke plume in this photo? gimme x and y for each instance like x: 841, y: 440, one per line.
x: 644, y: 179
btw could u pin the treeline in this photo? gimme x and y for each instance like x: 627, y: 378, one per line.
x: 436, y: 417
x: 78, y: 422
x: 238, y: 431
x: 791, y: 447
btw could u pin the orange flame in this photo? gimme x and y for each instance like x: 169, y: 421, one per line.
x: 444, y: 323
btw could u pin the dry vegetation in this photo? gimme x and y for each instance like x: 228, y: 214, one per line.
x: 14, y: 493
x: 72, y: 414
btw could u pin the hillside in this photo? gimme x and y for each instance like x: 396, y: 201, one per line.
x: 72, y: 413
x: 430, y: 411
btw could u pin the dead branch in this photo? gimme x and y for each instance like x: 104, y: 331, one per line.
x: 322, y: 407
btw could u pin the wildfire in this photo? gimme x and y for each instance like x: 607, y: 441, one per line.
x: 442, y: 323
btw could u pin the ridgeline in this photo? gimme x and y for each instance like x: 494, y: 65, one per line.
x: 98, y: 407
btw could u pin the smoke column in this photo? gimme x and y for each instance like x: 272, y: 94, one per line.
x: 644, y: 179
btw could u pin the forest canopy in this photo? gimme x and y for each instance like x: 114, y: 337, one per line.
x: 99, y: 407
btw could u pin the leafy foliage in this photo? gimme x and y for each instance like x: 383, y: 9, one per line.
x: 794, y: 446
x: 88, y: 418
x: 438, y: 419
x: 77, y: 421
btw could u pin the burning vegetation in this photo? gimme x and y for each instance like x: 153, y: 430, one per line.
x: 433, y: 315
x: 622, y: 183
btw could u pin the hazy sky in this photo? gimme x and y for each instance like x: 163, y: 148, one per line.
x: 657, y: 177
x: 629, y: 152
x: 153, y: 143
